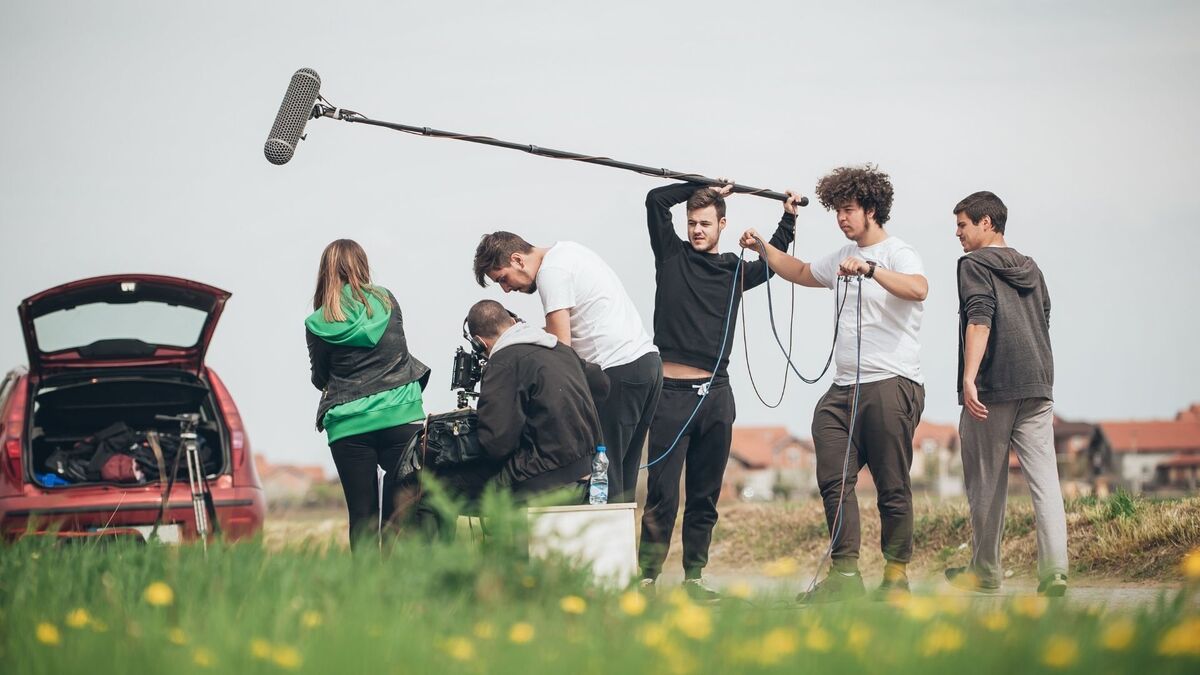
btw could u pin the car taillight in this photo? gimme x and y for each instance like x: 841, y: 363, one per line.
x: 14, y: 430
x: 233, y: 420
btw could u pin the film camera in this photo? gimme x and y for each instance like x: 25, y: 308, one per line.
x: 468, y: 368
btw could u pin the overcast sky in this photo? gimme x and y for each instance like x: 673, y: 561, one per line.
x: 132, y: 142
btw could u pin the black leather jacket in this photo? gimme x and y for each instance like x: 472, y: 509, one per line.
x: 346, y: 374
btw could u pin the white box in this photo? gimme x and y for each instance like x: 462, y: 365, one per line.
x: 603, y: 536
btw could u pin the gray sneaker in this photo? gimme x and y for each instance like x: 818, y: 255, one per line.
x: 648, y: 587
x: 836, y: 587
x: 966, y: 579
x: 699, y: 592
x: 1053, y: 586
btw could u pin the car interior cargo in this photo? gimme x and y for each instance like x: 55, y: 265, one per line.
x: 96, y: 428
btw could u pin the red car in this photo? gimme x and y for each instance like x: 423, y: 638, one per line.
x: 119, y: 352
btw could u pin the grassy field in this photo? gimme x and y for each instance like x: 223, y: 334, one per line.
x: 1117, y: 538
x: 417, y: 608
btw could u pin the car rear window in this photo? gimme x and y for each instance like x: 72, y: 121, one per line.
x: 155, y: 323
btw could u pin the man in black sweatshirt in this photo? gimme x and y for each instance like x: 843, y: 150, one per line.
x: 1006, y: 380
x: 695, y: 314
x: 537, y: 419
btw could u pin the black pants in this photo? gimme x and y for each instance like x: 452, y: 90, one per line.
x: 625, y: 419
x: 703, y: 450
x: 888, y: 412
x: 357, y: 458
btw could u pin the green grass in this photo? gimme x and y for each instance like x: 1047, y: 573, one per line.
x: 470, y: 609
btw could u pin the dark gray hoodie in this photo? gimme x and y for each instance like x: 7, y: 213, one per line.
x: 1002, y: 289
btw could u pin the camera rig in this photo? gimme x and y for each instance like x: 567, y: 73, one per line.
x: 468, y: 368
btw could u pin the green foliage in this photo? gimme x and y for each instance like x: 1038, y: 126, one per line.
x: 471, y: 607
x: 1121, y: 505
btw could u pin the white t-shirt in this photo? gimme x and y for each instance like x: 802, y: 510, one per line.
x: 606, y: 328
x: 889, y: 325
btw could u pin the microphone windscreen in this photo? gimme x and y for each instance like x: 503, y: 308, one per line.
x: 293, y: 114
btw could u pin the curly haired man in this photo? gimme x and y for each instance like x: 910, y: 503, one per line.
x: 885, y: 375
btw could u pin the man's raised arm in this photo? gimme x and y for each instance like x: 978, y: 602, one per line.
x: 663, y: 239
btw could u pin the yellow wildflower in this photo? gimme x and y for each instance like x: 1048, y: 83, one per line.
x: 260, y: 648
x: 98, y: 625
x: 1118, y: 635
x: 1182, y: 640
x: 918, y: 608
x: 573, y: 604
x: 159, y: 594
x: 203, y: 657
x: 286, y: 657
x: 818, y: 639
x: 177, y: 636
x: 781, y: 567
x: 528, y: 582
x: 858, y: 636
x: 47, y: 633
x: 652, y: 635
x: 740, y: 590
x: 633, y: 603
x: 1032, y: 606
x: 459, y: 648
x: 995, y: 621
x: 78, y: 618
x: 1060, y: 652
x: 678, y: 597
x: 693, y: 621
x: 1191, y: 565
x: 521, y: 633
x: 484, y: 630
x: 311, y: 619
x: 776, y: 644
x: 941, y: 638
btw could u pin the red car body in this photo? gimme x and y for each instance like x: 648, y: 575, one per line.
x: 119, y: 377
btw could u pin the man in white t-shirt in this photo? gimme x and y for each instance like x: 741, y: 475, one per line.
x: 588, y: 309
x: 890, y: 390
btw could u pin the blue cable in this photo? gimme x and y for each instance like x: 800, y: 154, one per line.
x: 720, y: 353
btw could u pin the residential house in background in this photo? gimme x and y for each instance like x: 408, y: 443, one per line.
x: 937, y: 460
x: 767, y: 463
x: 1149, y: 455
x: 287, y: 484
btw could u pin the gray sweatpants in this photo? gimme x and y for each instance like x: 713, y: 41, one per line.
x: 1028, y: 426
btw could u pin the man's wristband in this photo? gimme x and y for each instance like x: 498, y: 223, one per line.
x: 871, y: 272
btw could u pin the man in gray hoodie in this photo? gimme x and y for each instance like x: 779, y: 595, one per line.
x: 1006, y: 380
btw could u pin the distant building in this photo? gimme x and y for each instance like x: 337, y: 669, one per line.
x: 1148, y: 456
x: 767, y: 463
x: 937, y: 459
x: 287, y: 483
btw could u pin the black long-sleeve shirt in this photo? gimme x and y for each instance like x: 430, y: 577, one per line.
x: 692, y: 297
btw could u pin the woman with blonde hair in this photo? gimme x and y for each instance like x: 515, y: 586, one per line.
x: 371, y: 386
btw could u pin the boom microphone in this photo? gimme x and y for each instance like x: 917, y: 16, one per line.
x: 293, y: 114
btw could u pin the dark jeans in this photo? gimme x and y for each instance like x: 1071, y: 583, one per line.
x: 703, y: 450
x: 888, y: 412
x: 625, y: 418
x: 357, y: 458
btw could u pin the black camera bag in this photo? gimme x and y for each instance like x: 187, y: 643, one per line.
x: 449, y: 439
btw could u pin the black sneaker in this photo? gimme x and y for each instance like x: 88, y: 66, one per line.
x: 889, y: 588
x: 836, y: 587
x: 1053, y: 586
x: 699, y: 592
x: 965, y: 579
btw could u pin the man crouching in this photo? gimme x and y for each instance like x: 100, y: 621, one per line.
x: 537, y: 419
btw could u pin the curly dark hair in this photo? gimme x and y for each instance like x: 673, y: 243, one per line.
x: 867, y: 185
x: 495, y: 251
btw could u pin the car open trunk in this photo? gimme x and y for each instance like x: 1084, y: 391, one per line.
x: 82, y: 418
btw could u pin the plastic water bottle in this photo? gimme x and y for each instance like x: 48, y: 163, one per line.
x: 598, y: 486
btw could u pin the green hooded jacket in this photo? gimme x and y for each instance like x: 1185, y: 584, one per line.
x: 390, y: 408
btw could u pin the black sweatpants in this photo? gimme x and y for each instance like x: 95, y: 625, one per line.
x: 703, y: 450
x: 888, y: 413
x: 357, y: 459
x: 625, y: 419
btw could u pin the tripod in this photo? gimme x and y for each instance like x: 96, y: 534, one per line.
x: 202, y: 501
